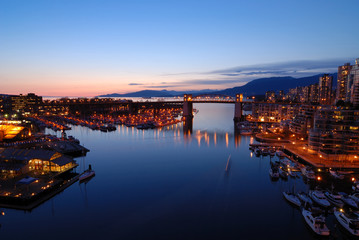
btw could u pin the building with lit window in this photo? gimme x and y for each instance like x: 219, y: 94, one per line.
x: 342, y: 82
x: 354, y: 82
x: 15, y: 161
x: 325, y: 89
x: 335, y: 133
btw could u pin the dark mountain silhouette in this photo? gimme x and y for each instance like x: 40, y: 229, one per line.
x: 261, y: 85
x: 254, y: 87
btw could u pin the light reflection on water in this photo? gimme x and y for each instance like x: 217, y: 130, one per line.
x: 164, y: 184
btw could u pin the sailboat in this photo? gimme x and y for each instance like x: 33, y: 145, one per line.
x: 89, y: 173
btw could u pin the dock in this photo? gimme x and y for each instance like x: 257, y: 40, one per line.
x: 298, y: 153
x: 30, y: 202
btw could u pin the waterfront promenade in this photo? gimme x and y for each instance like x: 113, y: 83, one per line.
x: 300, y: 151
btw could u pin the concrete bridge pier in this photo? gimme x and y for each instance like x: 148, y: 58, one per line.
x: 187, y: 106
x: 187, y: 114
x: 238, y: 108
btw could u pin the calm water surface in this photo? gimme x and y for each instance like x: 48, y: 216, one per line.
x: 160, y: 184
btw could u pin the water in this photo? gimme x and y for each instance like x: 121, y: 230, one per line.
x: 160, y: 184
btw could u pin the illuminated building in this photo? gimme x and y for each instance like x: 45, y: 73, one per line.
x: 29, y: 103
x: 325, y: 89
x: 354, y: 82
x: 303, y: 122
x: 15, y: 161
x: 342, y: 82
x: 270, y: 96
x: 335, y: 133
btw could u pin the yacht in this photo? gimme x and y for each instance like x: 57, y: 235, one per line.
x: 316, y: 222
x: 292, y: 198
x: 355, y: 197
x: 334, y: 198
x: 319, y: 198
x: 273, y: 172
x: 348, y: 200
x: 349, y: 222
x: 308, y: 173
x: 305, y: 198
x: 336, y: 175
x: 283, y: 174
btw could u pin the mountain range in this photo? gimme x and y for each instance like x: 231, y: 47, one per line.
x: 254, y: 87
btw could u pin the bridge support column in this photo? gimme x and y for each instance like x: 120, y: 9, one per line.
x: 238, y: 108
x: 187, y: 114
x: 187, y: 106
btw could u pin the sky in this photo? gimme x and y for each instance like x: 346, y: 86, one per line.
x: 92, y: 47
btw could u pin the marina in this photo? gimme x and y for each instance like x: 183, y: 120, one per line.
x: 185, y: 164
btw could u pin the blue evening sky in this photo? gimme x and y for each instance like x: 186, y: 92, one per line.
x: 91, y: 47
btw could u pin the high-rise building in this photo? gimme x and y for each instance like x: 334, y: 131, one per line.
x: 270, y: 96
x: 343, y: 82
x: 325, y: 89
x: 313, y: 93
x: 354, y: 82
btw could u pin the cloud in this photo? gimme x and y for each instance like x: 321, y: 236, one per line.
x: 135, y: 84
x: 161, y: 86
x: 211, y: 81
x: 240, y: 75
x: 291, y: 68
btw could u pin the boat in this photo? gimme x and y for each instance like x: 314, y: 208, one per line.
x: 292, y: 198
x: 89, y: 173
x: 355, y: 197
x: 86, y: 175
x: 291, y: 173
x: 283, y: 174
x: 319, y: 198
x: 308, y: 173
x: 265, y: 152
x: 257, y: 151
x: 348, y: 200
x: 336, y: 175
x: 280, y: 154
x: 334, y: 198
x: 305, y: 198
x: 273, y: 173
x: 316, y: 222
x: 349, y: 221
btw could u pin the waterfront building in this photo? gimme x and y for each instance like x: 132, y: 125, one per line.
x: 270, y: 96
x: 335, y: 134
x: 13, y: 132
x: 29, y: 103
x: 313, y: 93
x: 303, y: 122
x: 273, y: 112
x: 16, y: 161
x: 325, y: 89
x: 343, y: 82
x: 354, y: 84
x: 281, y: 96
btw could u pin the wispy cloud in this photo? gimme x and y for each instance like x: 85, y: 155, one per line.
x: 135, y: 84
x: 240, y: 75
x: 290, y: 68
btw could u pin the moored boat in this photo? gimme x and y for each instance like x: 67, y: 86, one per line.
x: 319, y: 198
x: 348, y: 200
x: 292, y: 198
x: 336, y: 175
x: 316, y: 222
x: 334, y: 198
x: 273, y: 173
x: 86, y: 175
x: 305, y: 198
x: 349, y: 221
x: 283, y: 174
